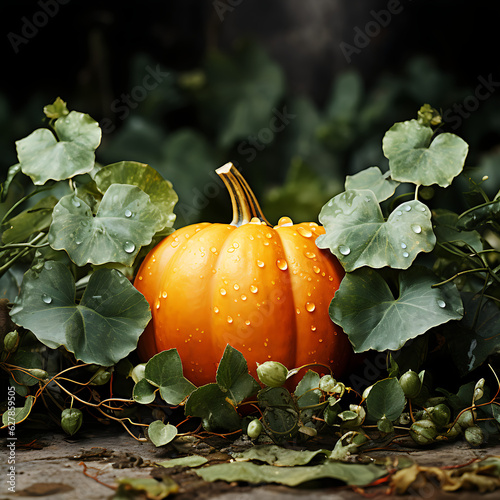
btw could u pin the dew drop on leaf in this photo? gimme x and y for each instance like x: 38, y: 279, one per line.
x: 403, y: 245
x: 416, y: 228
x: 128, y: 213
x: 407, y: 208
x: 406, y: 254
x: 344, y: 250
x: 128, y: 246
x: 398, y: 212
x: 76, y: 202
x: 441, y: 303
x: 46, y: 298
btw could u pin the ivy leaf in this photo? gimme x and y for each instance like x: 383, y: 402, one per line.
x: 414, y: 158
x: 372, y: 178
x: 144, y: 392
x: 160, y: 433
x: 145, y: 177
x: 280, y: 416
x: 279, y: 456
x: 164, y: 370
x: 43, y: 157
x: 210, y: 404
x: 386, y: 399
x: 26, y: 359
x: 4, y: 187
x: 20, y: 413
x: 358, y: 235
x: 125, y: 221
x: 307, y: 391
x: 110, y: 314
x: 189, y: 461
x: 373, y: 318
x: 233, y: 377
x: 240, y: 93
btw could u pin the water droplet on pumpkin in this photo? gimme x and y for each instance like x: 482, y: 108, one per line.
x: 310, y: 306
x: 243, y: 297
x: 313, y: 328
x: 282, y: 264
x: 416, y: 228
x: 236, y: 245
x: 344, y: 250
x: 213, y: 250
x: 269, y: 235
x: 247, y: 322
x: 229, y: 319
x: 236, y: 286
x: 310, y: 255
x: 164, y: 294
x: 255, y: 220
x: 285, y: 221
x: 297, y: 310
x: 260, y: 263
x: 175, y: 243
x: 441, y: 303
x: 128, y: 213
x: 253, y: 289
x: 140, y: 278
x: 128, y: 246
x: 223, y: 291
x: 306, y: 233
x: 216, y: 309
x: 46, y: 298
x: 406, y: 254
x: 251, y: 237
x: 230, y: 249
x: 316, y: 269
x: 157, y: 304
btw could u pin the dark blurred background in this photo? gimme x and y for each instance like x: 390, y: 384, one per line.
x: 298, y: 94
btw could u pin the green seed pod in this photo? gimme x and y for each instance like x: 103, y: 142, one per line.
x: 71, y: 420
x: 327, y: 383
x: 411, y: 384
x: 272, y: 373
x: 478, y: 390
x: 11, y: 341
x: 139, y: 372
x: 440, y: 414
x: 474, y: 435
x: 254, y: 429
x: 466, y: 419
x: 38, y: 373
x: 423, y: 432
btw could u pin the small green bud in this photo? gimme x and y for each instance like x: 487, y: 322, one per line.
x: 11, y: 341
x: 138, y: 372
x: 101, y: 378
x: 411, y: 384
x: 478, y: 390
x: 71, y: 420
x: 474, y: 435
x: 38, y: 373
x: 423, y: 432
x: 272, y: 373
x: 440, y: 414
x: 254, y: 429
x: 466, y: 419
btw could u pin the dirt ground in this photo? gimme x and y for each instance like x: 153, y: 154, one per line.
x: 54, y: 466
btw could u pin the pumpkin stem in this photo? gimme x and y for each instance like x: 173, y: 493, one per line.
x: 244, y: 202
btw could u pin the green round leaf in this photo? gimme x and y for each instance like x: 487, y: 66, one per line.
x: 43, y: 157
x: 102, y: 328
x: 358, y: 235
x: 125, y: 221
x: 373, y: 179
x: 414, y: 158
x: 144, y: 392
x: 373, y: 318
x: 20, y: 413
x: 164, y: 370
x: 386, y: 399
x: 145, y: 177
x: 160, y: 433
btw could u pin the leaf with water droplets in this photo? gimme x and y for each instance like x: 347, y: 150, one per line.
x: 358, y: 235
x: 111, y: 313
x: 145, y: 177
x: 374, y: 318
x: 44, y: 157
x: 373, y: 179
x: 415, y: 157
x: 111, y: 235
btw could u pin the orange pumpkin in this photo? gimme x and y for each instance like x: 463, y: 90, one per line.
x: 263, y: 290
